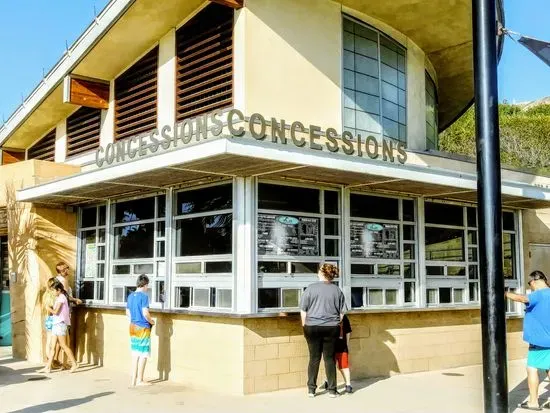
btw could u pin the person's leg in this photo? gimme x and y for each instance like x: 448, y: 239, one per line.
x: 533, y: 383
x: 68, y: 352
x: 315, y: 347
x: 347, y: 376
x: 141, y: 371
x: 51, y: 356
x: 134, y: 370
x: 330, y: 335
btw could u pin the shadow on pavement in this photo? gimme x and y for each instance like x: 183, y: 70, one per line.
x: 10, y: 376
x: 60, y: 405
x: 520, y: 393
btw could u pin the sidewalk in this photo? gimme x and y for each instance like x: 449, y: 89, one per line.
x: 99, y: 390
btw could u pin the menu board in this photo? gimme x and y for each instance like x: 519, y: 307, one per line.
x: 90, y: 260
x: 288, y: 235
x: 374, y: 240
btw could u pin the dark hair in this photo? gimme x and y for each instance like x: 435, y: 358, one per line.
x: 537, y: 275
x: 51, y: 282
x: 59, y: 266
x: 142, y: 281
x: 329, y: 271
x: 58, y: 286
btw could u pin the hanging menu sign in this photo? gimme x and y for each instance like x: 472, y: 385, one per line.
x: 374, y: 240
x: 288, y: 235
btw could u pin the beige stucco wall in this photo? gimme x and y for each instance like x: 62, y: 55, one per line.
x: 38, y: 238
x: 244, y: 356
x: 292, y: 61
x: 536, y: 230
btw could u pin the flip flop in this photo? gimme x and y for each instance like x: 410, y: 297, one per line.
x: 525, y: 406
x: 546, y: 405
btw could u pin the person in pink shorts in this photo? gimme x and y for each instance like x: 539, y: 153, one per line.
x: 61, y: 319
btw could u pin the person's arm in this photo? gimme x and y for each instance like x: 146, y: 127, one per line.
x: 303, y: 315
x: 348, y: 338
x: 128, y: 314
x: 147, y: 315
x: 516, y: 297
x: 55, y: 309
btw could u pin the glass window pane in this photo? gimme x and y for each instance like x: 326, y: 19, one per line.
x: 161, y: 249
x: 101, y: 235
x: 331, y: 248
x: 408, y: 252
x: 349, y: 41
x: 291, y: 298
x: 473, y: 272
x: 445, y: 296
x: 472, y: 217
x: 376, y: 296
x: 218, y: 267
x: 100, y: 270
x: 101, y: 252
x: 435, y: 271
x: 390, y: 92
x: 225, y: 299
x: 204, y: 235
x: 388, y: 56
x: 88, y: 255
x: 161, y: 206
x: 472, y: 254
x: 432, y: 296
x: 408, y: 232
x: 444, y: 214
x: 121, y: 269
x: 366, y: 47
x: 161, y: 269
x: 161, y: 229
x: 102, y: 214
x: 288, y: 198
x: 365, y: 32
x: 118, y: 295
x: 458, y: 295
x: 100, y: 288
x: 134, y: 241
x: 135, y: 210
x: 213, y: 198
x: 144, y: 269
x: 357, y: 297
x: 367, y: 103
x: 332, y: 226
x: 409, y: 293
x: 367, y: 122
x: 367, y: 206
x: 387, y: 269
x: 304, y: 267
x: 349, y: 100
x: 183, y: 297
x: 362, y: 269
x: 408, y: 270
x: 508, y: 223
x: 456, y: 271
x: 444, y: 244
x: 349, y: 79
x: 367, y: 66
x: 401, y: 80
x: 472, y: 237
x: 390, y: 110
x: 474, y: 292
x: 367, y: 84
x: 389, y: 74
x: 391, y: 128
x: 201, y: 297
x: 129, y: 290
x: 268, y: 297
x: 349, y: 60
x: 391, y: 297
x: 272, y: 267
x: 401, y: 63
x: 408, y: 210
x: 188, y: 268
x: 87, y: 290
x: 349, y: 118
x: 509, y: 254
x: 89, y: 217
x: 159, y: 291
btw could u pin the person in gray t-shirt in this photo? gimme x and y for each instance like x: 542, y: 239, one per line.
x: 322, y: 309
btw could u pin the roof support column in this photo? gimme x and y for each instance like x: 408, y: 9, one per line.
x: 166, y: 102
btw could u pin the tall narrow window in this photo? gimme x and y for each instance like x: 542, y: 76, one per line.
x: 44, y: 149
x: 375, y: 86
x: 205, y: 62
x: 83, y: 128
x: 136, y: 97
x: 431, y: 114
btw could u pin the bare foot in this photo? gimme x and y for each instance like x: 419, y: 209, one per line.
x: 74, y: 367
x: 144, y: 383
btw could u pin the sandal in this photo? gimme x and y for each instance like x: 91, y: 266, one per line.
x: 546, y: 405
x: 526, y: 406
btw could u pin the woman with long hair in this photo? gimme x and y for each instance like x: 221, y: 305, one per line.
x: 322, y: 308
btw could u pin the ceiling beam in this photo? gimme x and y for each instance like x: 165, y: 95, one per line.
x: 236, y: 4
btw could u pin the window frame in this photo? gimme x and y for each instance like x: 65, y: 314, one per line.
x: 289, y: 280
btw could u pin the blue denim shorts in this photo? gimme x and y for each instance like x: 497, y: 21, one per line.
x: 48, y: 323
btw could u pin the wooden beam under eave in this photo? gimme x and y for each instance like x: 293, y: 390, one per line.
x: 92, y: 93
x: 236, y: 4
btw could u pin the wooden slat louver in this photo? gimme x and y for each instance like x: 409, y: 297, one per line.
x: 136, y: 97
x: 44, y: 149
x: 205, y: 62
x: 83, y: 128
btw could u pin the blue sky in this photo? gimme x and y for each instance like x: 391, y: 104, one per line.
x: 33, y: 34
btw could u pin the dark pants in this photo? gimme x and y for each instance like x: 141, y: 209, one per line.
x: 321, y: 340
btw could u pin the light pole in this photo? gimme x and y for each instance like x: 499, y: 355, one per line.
x: 493, y: 321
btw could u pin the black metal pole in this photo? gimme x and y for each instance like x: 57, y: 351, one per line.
x: 493, y: 321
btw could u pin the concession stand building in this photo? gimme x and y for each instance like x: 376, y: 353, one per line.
x: 226, y: 148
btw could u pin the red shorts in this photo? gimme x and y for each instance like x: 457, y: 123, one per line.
x: 342, y: 360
